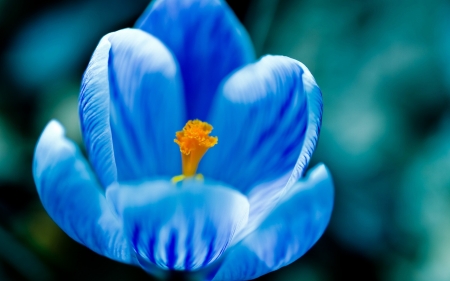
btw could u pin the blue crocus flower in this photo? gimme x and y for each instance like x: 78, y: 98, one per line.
x: 251, y: 211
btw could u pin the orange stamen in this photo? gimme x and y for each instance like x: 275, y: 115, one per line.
x: 194, y: 141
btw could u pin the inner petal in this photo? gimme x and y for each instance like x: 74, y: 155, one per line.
x: 261, y: 116
x: 207, y: 40
x: 146, y: 106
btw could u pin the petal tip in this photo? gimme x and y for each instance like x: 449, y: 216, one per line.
x: 320, y: 174
x: 53, y: 128
x: 321, y: 170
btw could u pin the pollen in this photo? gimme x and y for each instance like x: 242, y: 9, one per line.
x: 194, y: 140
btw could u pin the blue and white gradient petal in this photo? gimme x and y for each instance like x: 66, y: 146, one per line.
x: 183, y: 227
x: 265, y: 105
x: 72, y: 197
x: 129, y: 86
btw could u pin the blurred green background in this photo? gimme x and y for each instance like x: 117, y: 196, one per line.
x: 384, y: 70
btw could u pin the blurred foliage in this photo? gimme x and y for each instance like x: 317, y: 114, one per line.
x: 384, y: 70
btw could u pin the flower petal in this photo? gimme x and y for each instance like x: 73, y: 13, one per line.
x: 179, y: 228
x: 208, y: 41
x: 288, y: 232
x: 71, y: 195
x: 130, y: 107
x: 267, y: 117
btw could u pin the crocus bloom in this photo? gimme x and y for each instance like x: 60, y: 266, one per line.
x: 253, y: 211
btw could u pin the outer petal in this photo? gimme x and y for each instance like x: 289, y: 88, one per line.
x: 267, y: 117
x: 130, y: 107
x: 71, y: 195
x: 208, y: 41
x: 291, y: 229
x: 177, y: 228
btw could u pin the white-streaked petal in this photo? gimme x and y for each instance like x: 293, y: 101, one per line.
x: 264, y: 116
x: 94, y: 113
x: 183, y: 227
x: 72, y: 196
x: 287, y: 233
x: 130, y: 106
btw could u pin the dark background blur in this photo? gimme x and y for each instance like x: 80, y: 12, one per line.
x: 384, y: 70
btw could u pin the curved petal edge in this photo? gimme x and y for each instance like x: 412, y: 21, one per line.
x: 72, y: 196
x: 94, y: 112
x: 315, y: 109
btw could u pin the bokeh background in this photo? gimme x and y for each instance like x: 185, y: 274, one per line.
x: 384, y: 70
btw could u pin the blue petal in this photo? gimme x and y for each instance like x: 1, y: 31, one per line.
x: 266, y: 117
x: 208, y: 41
x: 71, y: 195
x: 287, y: 233
x: 179, y: 228
x: 130, y: 108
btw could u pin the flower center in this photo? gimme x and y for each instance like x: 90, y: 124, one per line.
x: 194, y: 140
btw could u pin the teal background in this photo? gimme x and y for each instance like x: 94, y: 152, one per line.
x: 384, y: 70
